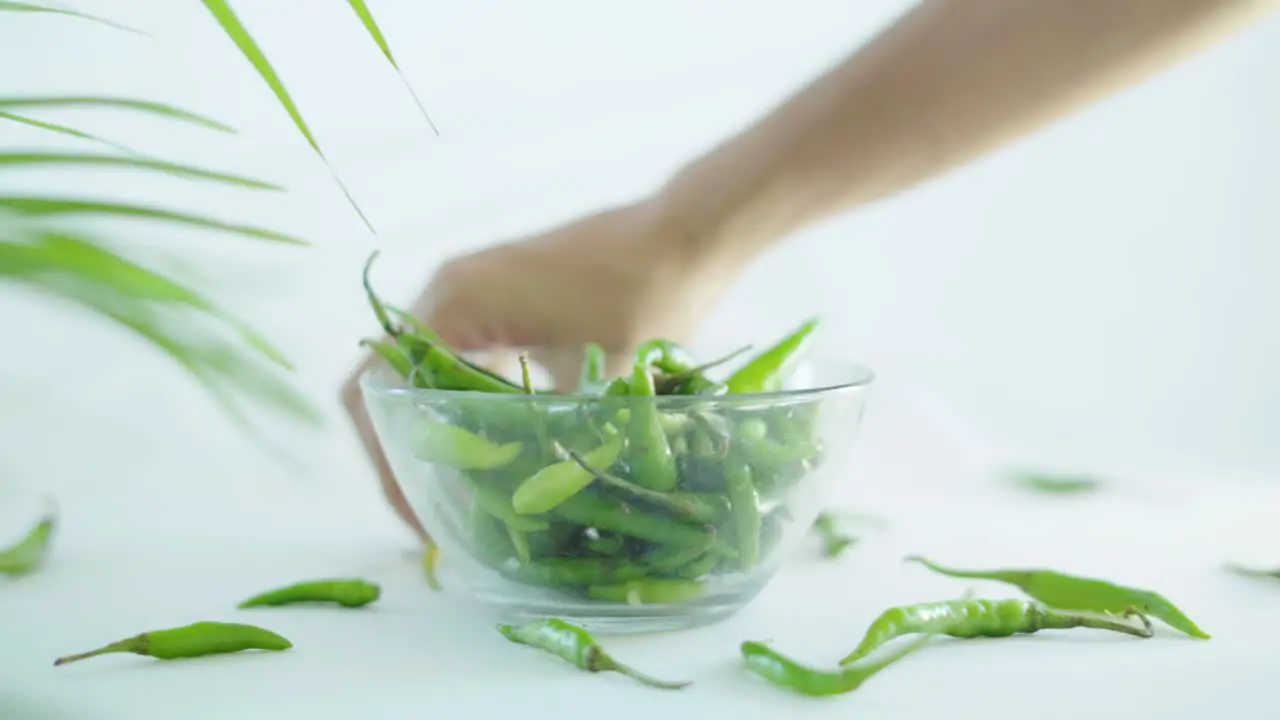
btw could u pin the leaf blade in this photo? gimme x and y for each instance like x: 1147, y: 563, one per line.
x: 7, y: 5
x: 239, y: 34
x: 366, y: 18
x: 46, y: 207
x: 64, y: 253
x: 13, y: 159
x: 132, y: 308
x: 147, y: 106
x: 61, y: 129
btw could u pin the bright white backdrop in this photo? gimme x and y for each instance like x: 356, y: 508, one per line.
x: 1102, y: 294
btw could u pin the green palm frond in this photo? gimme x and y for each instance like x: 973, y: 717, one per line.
x: 366, y: 18
x: 236, y: 30
x: 87, y: 273
x: 47, y: 159
x: 61, y: 129
x: 50, y: 207
x: 222, y: 352
x: 97, y: 101
x: 5, y: 5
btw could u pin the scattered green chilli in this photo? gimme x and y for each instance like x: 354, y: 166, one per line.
x: 345, y: 592
x: 632, y: 489
x: 575, y: 645
x: 834, y: 542
x: 982, y: 618
x: 189, y: 641
x: 29, y: 553
x: 1050, y: 484
x: 1070, y: 592
x: 1243, y: 571
x: 787, y: 673
x: 431, y: 559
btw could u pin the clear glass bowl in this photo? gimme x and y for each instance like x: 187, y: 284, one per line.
x: 623, y: 551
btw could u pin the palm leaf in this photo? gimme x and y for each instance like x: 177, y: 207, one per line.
x: 14, y: 159
x: 46, y: 207
x: 129, y: 295
x: 145, y: 106
x: 236, y: 30
x: 366, y: 17
x: 64, y: 253
x: 208, y: 364
x: 62, y: 129
x: 5, y: 5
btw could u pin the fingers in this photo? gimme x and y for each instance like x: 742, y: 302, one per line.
x: 563, y: 364
x: 353, y: 402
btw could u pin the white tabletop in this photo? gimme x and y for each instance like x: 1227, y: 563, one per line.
x: 144, y: 562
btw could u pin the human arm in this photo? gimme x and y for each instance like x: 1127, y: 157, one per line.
x: 947, y: 82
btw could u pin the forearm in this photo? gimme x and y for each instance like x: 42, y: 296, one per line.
x: 949, y: 81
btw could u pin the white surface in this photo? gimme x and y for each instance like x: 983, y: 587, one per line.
x: 121, y: 568
x: 1100, y: 295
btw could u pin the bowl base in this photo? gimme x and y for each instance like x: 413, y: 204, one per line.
x: 606, y: 620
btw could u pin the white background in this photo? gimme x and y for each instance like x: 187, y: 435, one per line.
x: 1100, y: 296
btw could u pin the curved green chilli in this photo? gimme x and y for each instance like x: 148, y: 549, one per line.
x: 649, y: 591
x: 652, y: 463
x: 1243, y: 571
x: 452, y: 446
x: 573, y: 571
x: 589, y: 509
x: 1072, y: 592
x: 430, y: 560
x: 744, y: 502
x: 982, y: 618
x: 575, y: 645
x: 29, y: 553
x: 702, y: 507
x: 1048, y: 484
x: 784, y: 672
x: 194, y: 640
x: 666, y: 356
x: 694, y: 381
x: 758, y: 449
x: 768, y: 371
x: 351, y: 593
x: 498, y: 503
x: 668, y: 557
x: 591, y: 378
x: 557, y: 482
x: 834, y: 542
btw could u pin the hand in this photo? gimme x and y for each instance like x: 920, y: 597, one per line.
x: 616, y: 278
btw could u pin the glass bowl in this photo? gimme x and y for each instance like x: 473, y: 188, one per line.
x: 622, y: 514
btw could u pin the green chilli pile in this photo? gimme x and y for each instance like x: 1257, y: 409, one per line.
x: 634, y: 488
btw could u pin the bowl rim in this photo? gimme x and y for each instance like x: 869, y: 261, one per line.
x: 374, y: 379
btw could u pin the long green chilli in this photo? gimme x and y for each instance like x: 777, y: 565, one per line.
x: 982, y: 618
x: 29, y: 554
x: 1072, y: 592
x: 767, y: 371
x: 189, y: 641
x: 575, y: 645
x: 784, y: 672
x: 346, y: 592
x: 652, y: 463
